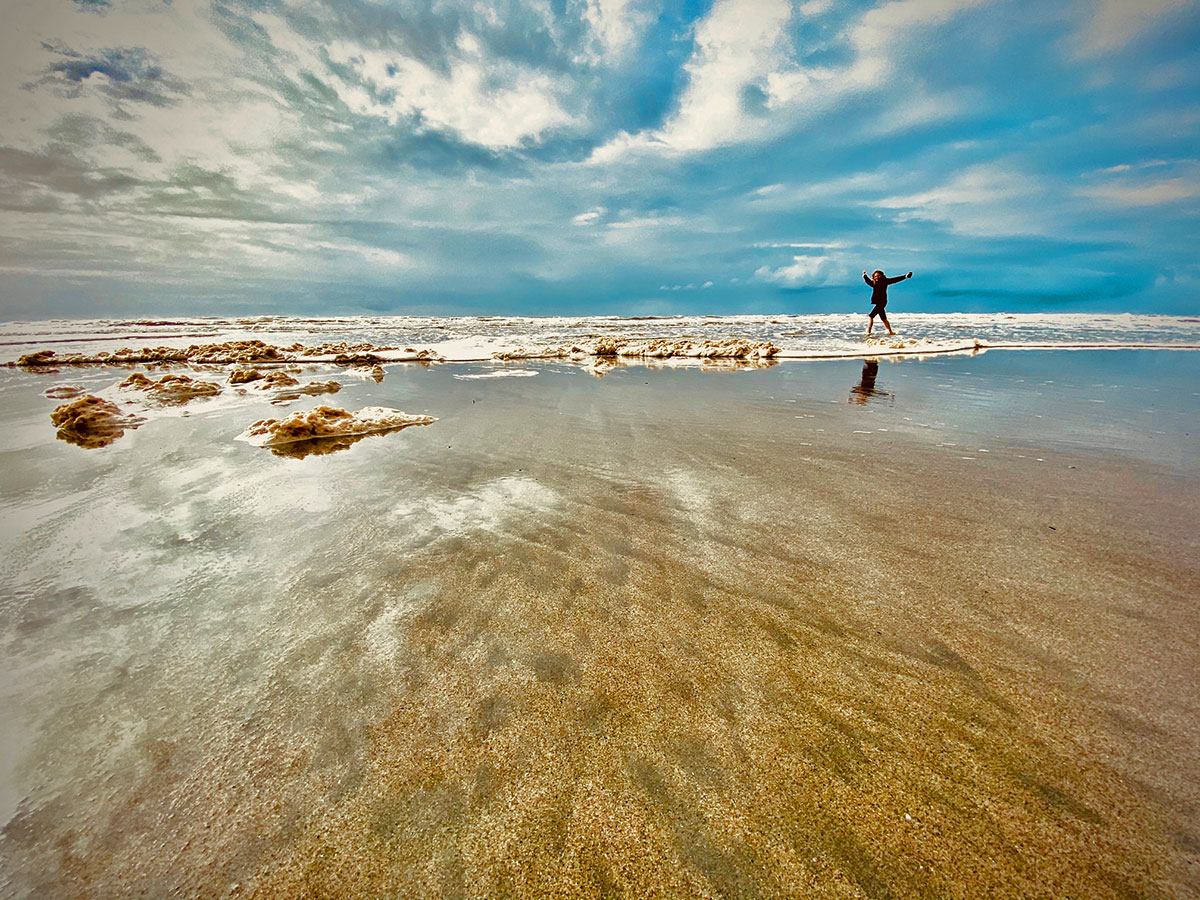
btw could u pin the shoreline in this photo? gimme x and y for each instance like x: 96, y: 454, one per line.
x: 429, y: 355
x: 479, y: 339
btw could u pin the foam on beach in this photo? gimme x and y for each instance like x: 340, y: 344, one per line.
x: 92, y: 422
x: 498, y: 373
x: 170, y: 389
x: 326, y: 422
x: 371, y: 342
x: 655, y: 348
x: 244, y: 352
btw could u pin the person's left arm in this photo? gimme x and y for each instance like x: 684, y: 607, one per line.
x: 899, y: 278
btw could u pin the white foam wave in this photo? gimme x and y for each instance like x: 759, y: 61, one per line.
x: 479, y: 338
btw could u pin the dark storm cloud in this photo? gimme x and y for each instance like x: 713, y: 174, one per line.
x: 125, y: 74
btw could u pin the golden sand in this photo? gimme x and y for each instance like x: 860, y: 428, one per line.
x: 967, y: 683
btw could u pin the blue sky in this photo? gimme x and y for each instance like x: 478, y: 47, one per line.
x: 196, y: 157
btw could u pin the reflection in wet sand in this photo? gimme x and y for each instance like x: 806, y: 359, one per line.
x: 866, y: 390
x: 326, y: 445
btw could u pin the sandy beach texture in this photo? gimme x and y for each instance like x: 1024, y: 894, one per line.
x: 768, y: 633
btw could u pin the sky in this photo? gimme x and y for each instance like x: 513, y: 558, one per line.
x: 332, y: 157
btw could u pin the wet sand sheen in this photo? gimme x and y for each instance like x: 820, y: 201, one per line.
x: 735, y: 668
x: 648, y: 712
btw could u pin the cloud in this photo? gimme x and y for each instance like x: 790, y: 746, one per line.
x: 985, y: 199
x: 1155, y: 182
x: 737, y: 47
x: 482, y: 101
x: 590, y: 217
x: 691, y: 286
x: 124, y: 74
x: 616, y: 24
x: 527, y: 155
x: 747, y: 81
x: 1108, y: 25
x: 1146, y: 193
x: 804, y: 271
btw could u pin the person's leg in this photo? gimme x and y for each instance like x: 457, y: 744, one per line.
x: 886, y: 324
x: 870, y: 321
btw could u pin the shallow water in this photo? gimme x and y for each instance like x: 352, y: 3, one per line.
x: 926, y: 630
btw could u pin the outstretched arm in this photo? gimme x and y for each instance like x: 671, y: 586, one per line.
x: 899, y: 278
x: 867, y: 279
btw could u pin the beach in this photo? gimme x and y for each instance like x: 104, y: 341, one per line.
x: 866, y: 626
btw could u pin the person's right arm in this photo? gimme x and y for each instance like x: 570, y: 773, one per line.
x: 867, y: 279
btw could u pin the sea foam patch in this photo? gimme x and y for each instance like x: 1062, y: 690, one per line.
x: 499, y: 373
x: 328, y: 422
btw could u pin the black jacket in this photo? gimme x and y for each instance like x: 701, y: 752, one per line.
x: 879, y: 291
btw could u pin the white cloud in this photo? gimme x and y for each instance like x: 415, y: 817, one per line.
x: 641, y: 223
x: 815, y: 7
x: 1154, y: 182
x: 805, y: 271
x: 590, y: 217
x: 483, y: 101
x: 691, y: 286
x: 882, y: 26
x: 1108, y: 25
x: 616, y: 24
x: 739, y: 43
x: 1145, y: 193
x: 986, y: 199
x: 744, y: 83
x: 790, y: 245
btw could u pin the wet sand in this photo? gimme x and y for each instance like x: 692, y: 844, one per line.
x: 661, y: 634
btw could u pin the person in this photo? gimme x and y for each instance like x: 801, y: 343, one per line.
x: 879, y: 285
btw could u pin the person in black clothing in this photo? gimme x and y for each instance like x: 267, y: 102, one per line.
x: 879, y: 285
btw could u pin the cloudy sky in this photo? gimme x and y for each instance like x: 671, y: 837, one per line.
x: 610, y: 156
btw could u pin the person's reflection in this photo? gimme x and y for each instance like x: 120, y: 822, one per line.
x: 865, y: 389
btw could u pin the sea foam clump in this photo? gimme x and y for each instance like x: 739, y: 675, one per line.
x: 654, y: 348
x: 246, y: 353
x: 90, y: 422
x: 279, y: 380
x: 171, y: 388
x: 327, y: 422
